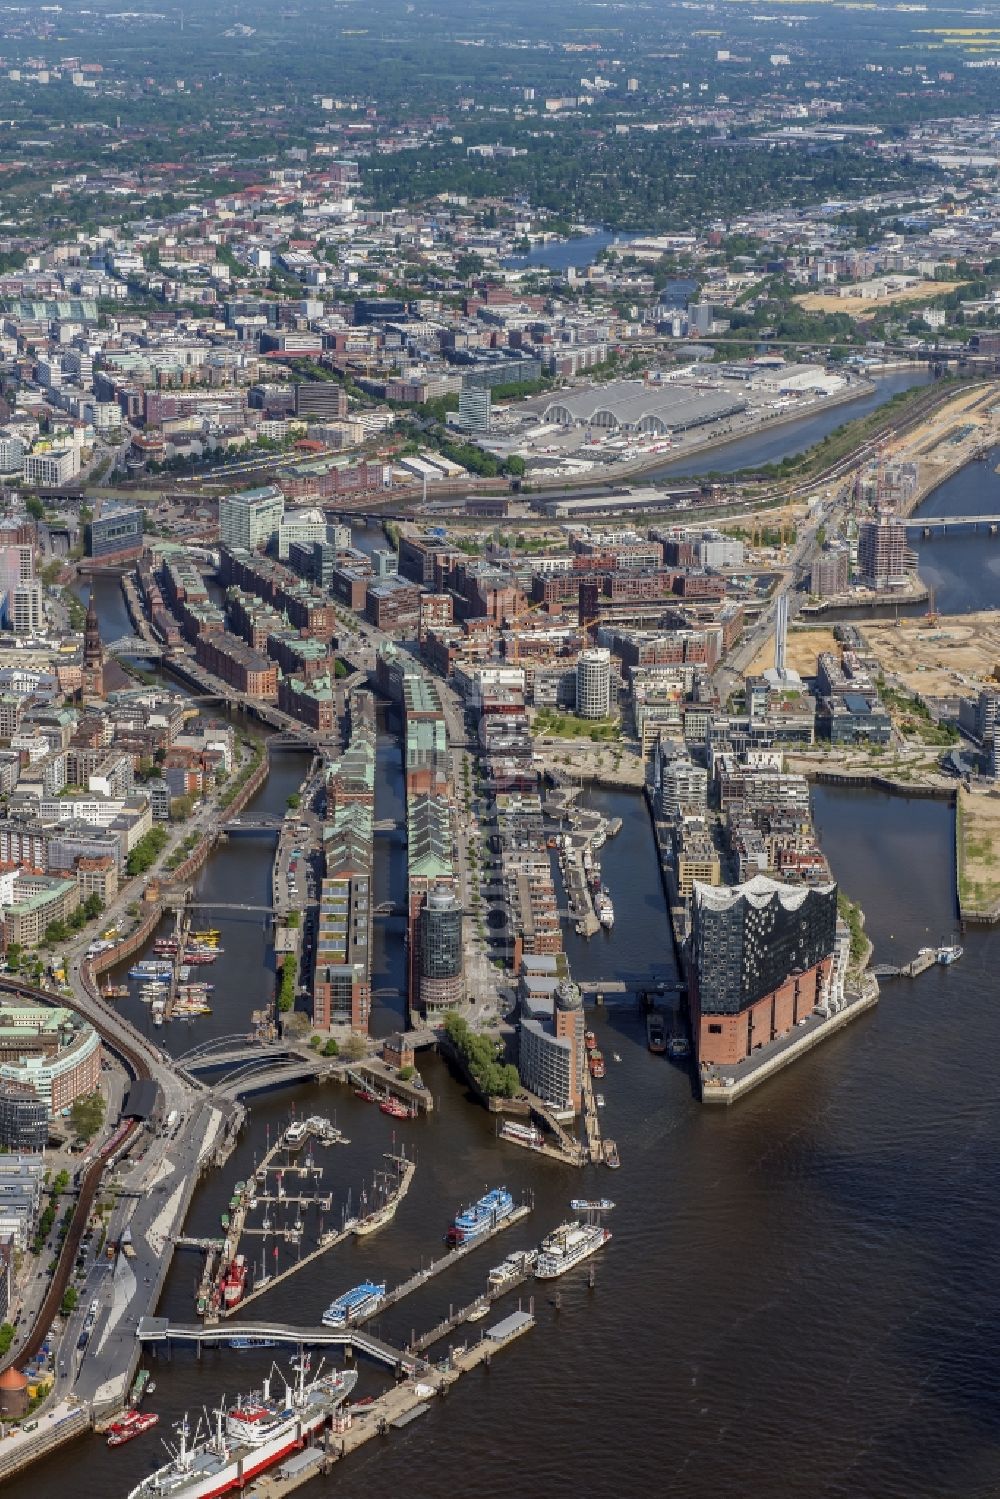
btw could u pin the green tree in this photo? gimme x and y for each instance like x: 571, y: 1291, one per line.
x: 69, y: 1301
x: 354, y: 1047
x: 86, y: 1115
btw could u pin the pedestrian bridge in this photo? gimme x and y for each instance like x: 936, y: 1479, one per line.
x: 134, y: 645
x: 160, y: 1330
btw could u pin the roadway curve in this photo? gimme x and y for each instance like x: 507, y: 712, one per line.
x: 139, y: 1069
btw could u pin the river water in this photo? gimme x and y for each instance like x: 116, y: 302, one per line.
x: 798, y: 1300
x: 561, y: 254
x: 963, y: 567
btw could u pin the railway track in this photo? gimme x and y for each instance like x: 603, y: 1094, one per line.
x: 110, y: 1152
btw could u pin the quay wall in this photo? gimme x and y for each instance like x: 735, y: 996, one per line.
x: 875, y: 781
x: 52, y: 1433
x: 91, y: 970
x: 866, y: 1000
x: 197, y: 857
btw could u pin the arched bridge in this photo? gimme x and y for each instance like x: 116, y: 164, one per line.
x: 153, y: 1330
x: 134, y: 645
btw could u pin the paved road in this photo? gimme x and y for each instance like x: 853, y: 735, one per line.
x: 156, y: 1191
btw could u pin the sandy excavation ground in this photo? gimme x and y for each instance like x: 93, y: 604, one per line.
x: 818, y: 301
x: 801, y: 650
x: 979, y: 824
x: 946, y: 659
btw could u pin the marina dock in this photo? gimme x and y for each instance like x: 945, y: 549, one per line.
x: 254, y: 1193
x: 333, y: 1237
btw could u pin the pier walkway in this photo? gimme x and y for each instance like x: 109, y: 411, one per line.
x: 153, y: 1330
x: 591, y: 1119
x: 926, y: 958
x: 374, y: 1075
x: 475, y: 1309
x: 421, y: 1277
x: 392, y: 1411
x: 329, y: 1240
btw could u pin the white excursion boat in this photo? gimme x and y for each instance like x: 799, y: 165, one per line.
x: 569, y: 1245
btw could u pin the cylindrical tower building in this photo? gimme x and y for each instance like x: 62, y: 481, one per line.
x: 593, y: 683
x: 442, y: 966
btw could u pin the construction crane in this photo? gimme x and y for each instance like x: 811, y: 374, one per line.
x: 932, y: 614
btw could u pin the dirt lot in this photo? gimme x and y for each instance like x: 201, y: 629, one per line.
x: 801, y: 651
x: 818, y: 301
x: 942, y: 660
x: 979, y: 820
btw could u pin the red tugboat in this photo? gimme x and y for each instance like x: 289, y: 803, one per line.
x: 596, y: 1064
x: 589, y: 1040
x: 234, y: 1281
x: 366, y: 1094
x: 132, y: 1424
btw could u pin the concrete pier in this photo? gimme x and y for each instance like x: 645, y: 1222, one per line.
x: 393, y: 1410
x: 421, y: 1277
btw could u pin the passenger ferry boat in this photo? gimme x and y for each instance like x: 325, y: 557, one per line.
x: 485, y: 1214
x: 570, y: 1244
x: 131, y: 1425
x: 949, y: 954
x: 605, y: 910
x: 363, y: 1301
x: 524, y: 1134
x: 511, y: 1269
x: 150, y: 968
x: 249, y: 1437
x: 587, y: 1205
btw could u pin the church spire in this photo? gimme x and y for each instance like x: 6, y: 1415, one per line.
x: 93, y: 654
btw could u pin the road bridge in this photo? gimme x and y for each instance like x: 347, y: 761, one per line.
x: 240, y: 1056
x: 234, y: 1041
x: 259, y: 1077
x: 929, y: 523
x: 252, y: 825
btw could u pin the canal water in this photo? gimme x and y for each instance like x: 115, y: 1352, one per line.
x: 798, y: 1298
x: 790, y: 438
